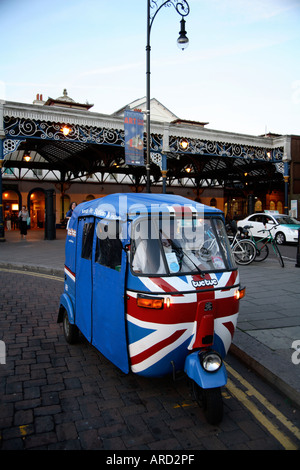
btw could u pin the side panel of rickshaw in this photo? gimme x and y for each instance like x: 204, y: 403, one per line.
x: 109, y: 332
x: 83, y: 269
x: 94, y: 290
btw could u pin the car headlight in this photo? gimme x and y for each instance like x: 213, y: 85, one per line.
x: 210, y: 361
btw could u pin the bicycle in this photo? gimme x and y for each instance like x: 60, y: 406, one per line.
x: 261, y: 245
x: 262, y: 249
x: 244, y: 250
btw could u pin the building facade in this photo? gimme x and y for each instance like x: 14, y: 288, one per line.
x: 60, y: 149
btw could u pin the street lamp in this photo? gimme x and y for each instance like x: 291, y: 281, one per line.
x: 183, y: 9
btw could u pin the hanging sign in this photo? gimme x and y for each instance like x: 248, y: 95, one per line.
x: 134, y: 137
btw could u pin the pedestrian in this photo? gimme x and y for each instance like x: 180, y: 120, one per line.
x: 8, y: 221
x: 23, y: 216
x: 70, y: 212
x: 14, y: 220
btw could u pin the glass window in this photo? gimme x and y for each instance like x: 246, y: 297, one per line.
x: 180, y: 246
x: 146, y: 249
x: 87, y: 240
x: 108, y: 247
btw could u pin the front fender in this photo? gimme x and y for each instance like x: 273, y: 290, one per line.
x: 204, y: 379
x: 66, y: 304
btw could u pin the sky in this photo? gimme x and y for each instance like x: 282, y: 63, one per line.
x: 240, y: 72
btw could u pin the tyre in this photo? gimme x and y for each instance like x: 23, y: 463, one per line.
x: 280, y: 238
x: 262, y: 251
x: 210, y: 399
x: 244, y: 252
x: 213, y: 405
x: 70, y: 331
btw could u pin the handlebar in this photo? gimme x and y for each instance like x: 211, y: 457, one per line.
x: 268, y: 229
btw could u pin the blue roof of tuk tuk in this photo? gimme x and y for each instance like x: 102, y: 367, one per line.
x: 122, y: 206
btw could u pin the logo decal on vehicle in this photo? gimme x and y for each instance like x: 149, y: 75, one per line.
x: 205, y: 282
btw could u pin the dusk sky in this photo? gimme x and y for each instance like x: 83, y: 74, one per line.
x: 240, y: 73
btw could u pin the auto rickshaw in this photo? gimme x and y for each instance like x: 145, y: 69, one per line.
x: 151, y: 282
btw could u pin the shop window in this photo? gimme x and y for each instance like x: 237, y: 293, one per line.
x: 258, y: 206
x: 279, y: 207
x: 272, y: 206
x: 213, y: 202
x: 87, y: 240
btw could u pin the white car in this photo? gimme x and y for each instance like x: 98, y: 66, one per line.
x: 287, y: 231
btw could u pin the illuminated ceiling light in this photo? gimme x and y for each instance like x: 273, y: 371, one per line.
x: 66, y: 130
x: 27, y: 157
x: 184, y: 144
x: 188, y: 170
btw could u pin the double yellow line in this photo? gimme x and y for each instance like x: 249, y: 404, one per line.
x: 250, y: 391
x: 32, y: 273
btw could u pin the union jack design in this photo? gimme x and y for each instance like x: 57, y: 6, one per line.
x: 157, y: 337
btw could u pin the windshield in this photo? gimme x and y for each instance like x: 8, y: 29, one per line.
x: 180, y: 246
x: 286, y: 220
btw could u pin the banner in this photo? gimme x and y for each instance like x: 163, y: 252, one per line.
x: 134, y: 137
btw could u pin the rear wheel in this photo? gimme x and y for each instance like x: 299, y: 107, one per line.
x: 262, y: 251
x: 280, y: 238
x: 244, y: 252
x: 70, y: 331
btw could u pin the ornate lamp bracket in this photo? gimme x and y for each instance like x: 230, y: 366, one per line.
x: 181, y: 6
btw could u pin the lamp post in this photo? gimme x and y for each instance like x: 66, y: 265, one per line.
x: 183, y: 9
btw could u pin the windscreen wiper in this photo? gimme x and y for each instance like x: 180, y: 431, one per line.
x: 181, y: 253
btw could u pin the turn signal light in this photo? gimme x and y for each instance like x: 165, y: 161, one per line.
x: 150, y: 302
x: 240, y: 293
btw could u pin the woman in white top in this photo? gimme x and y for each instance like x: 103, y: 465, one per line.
x: 23, y: 216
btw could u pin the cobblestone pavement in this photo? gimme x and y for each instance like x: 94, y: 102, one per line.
x: 57, y: 396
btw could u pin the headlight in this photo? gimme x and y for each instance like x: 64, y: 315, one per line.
x: 210, y: 361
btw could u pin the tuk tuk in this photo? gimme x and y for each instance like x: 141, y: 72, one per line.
x: 151, y: 282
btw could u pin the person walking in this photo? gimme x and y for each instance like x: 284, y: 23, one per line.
x: 23, y: 216
x: 8, y: 221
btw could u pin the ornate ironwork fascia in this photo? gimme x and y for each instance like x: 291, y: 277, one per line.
x: 16, y: 128
x: 225, y: 149
x: 21, y: 128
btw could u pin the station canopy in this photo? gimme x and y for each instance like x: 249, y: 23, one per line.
x: 36, y: 138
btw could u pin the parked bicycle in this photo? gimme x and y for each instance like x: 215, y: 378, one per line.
x: 243, y: 249
x: 261, y: 245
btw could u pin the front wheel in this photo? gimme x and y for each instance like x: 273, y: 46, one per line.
x: 278, y: 254
x: 210, y: 399
x: 213, y: 405
x: 244, y: 252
